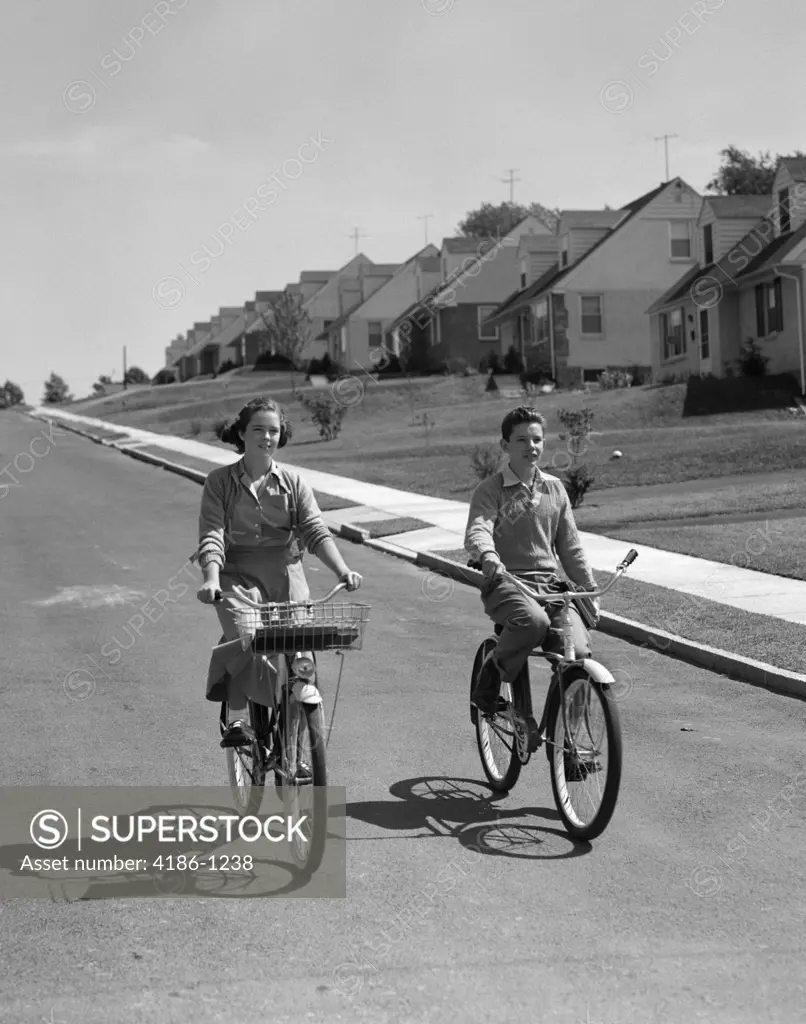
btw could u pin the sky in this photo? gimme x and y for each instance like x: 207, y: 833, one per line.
x: 162, y: 160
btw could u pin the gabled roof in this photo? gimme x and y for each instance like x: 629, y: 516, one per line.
x: 796, y: 165
x: 317, y: 275
x: 774, y: 252
x: 379, y: 269
x: 337, y: 324
x: 522, y: 297
x: 590, y: 218
x: 553, y: 276
x: 267, y: 296
x: 457, y: 246
x: 391, y: 269
x: 430, y: 263
x: 745, y: 207
x: 722, y: 273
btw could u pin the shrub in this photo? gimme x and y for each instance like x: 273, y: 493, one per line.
x: 611, y: 379
x: 226, y: 366
x: 485, y: 460
x: 537, y: 377
x: 492, y: 361
x: 457, y: 365
x: 577, y: 482
x: 325, y: 411
x: 164, y: 377
x: 577, y: 422
x: 513, y: 363
x: 195, y: 428
x: 752, y: 362
x: 639, y: 375
x: 274, y: 362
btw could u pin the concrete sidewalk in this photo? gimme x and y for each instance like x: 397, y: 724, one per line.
x: 746, y: 589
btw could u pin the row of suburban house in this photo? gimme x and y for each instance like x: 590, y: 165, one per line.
x: 672, y: 283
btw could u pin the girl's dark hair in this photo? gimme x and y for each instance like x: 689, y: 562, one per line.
x: 231, y: 434
x: 523, y: 414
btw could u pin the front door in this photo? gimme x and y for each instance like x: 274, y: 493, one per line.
x: 705, y: 343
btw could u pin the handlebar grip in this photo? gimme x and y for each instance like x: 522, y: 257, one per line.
x: 632, y: 554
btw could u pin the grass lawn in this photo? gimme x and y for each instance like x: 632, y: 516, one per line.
x: 707, y: 622
x: 776, y: 546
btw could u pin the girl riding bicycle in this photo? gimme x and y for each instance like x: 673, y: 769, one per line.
x: 257, y: 517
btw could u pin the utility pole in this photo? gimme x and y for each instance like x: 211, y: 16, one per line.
x: 124, y: 367
x: 511, y: 180
x: 666, y: 149
x: 425, y: 217
x: 356, y: 234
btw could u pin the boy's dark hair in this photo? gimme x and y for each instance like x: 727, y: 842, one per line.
x: 523, y: 414
x: 230, y: 434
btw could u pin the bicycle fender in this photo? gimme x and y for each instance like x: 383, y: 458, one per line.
x: 597, y: 671
x: 306, y: 693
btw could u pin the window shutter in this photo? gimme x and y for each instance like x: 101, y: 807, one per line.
x: 760, y: 319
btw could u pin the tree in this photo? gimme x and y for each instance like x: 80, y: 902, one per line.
x: 488, y: 220
x: 134, y: 375
x: 287, y: 328
x: 741, y: 174
x: 11, y: 394
x: 56, y: 391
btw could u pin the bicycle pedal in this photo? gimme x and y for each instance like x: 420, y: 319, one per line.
x: 532, y: 735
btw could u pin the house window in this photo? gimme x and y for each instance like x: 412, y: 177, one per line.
x: 708, y: 243
x: 783, y: 210
x: 705, y: 346
x: 769, y: 308
x: 541, y: 316
x: 672, y: 334
x: 523, y: 279
x: 564, y: 258
x: 375, y: 334
x: 680, y: 239
x: 591, y: 376
x: 591, y: 314
x: 486, y: 333
x: 326, y: 325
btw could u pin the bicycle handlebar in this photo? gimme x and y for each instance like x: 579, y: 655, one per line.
x: 267, y: 604
x: 571, y: 595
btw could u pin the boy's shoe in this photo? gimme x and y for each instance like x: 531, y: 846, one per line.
x: 237, y: 734
x: 485, y: 695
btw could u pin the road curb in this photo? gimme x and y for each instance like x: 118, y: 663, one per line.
x: 734, y: 666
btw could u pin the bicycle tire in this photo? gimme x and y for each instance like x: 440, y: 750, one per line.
x: 501, y: 777
x: 608, y: 792
x: 245, y: 766
x: 306, y: 719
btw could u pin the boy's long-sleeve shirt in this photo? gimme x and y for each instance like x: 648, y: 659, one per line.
x: 526, y: 525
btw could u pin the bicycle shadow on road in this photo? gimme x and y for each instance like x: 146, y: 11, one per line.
x: 466, y: 810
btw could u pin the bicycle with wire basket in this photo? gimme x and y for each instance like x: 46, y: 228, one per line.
x: 288, y: 738
x: 580, y: 724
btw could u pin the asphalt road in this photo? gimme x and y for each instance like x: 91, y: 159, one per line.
x: 691, y: 906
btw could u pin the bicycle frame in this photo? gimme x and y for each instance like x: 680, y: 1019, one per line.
x: 528, y: 743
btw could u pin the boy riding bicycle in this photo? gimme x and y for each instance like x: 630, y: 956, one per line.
x: 521, y: 520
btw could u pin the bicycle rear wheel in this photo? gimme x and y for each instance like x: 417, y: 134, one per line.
x: 495, y: 735
x: 245, y: 764
x: 585, y: 753
x: 305, y: 797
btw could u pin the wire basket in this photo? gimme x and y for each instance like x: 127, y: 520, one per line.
x: 288, y: 628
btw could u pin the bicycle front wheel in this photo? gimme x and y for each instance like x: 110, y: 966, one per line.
x: 585, y: 753
x: 304, y: 781
x: 495, y: 735
x: 245, y: 765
